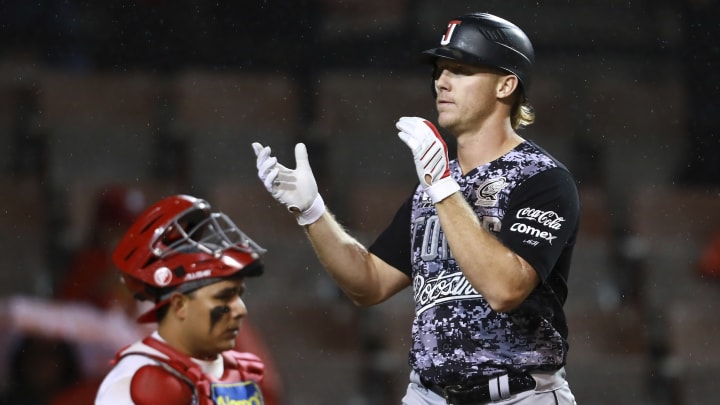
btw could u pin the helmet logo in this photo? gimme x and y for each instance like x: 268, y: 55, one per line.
x: 162, y: 276
x: 198, y: 274
x: 448, y: 34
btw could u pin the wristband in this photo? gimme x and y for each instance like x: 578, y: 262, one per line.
x: 442, y: 189
x: 313, y: 213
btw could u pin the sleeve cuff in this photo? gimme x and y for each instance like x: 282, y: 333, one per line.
x: 442, y: 189
x: 313, y: 213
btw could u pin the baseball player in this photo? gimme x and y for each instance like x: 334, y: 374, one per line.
x: 191, y: 263
x: 485, y: 239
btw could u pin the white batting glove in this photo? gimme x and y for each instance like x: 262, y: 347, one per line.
x: 431, y: 156
x: 296, y: 189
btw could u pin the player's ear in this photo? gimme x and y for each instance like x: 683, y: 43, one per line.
x: 179, y: 305
x: 506, y: 85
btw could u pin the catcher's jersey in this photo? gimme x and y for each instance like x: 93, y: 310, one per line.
x: 530, y: 202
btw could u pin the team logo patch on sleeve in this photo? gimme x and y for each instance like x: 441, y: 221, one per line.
x: 242, y: 393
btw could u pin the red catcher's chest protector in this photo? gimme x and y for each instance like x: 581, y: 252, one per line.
x: 239, y: 384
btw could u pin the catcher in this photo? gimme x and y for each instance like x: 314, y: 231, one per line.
x: 191, y: 264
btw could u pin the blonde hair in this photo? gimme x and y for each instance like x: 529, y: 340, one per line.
x: 523, y: 113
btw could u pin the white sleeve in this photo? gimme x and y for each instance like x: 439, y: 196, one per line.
x: 115, y: 388
x: 75, y: 321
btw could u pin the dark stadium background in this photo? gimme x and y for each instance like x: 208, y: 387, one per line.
x: 167, y: 96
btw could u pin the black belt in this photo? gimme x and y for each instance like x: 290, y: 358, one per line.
x: 494, y: 389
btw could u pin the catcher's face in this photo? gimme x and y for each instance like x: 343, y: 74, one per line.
x: 214, y: 316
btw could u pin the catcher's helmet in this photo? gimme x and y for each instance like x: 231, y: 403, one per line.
x: 179, y: 244
x: 486, y: 40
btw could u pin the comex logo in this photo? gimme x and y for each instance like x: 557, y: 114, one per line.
x: 534, y: 232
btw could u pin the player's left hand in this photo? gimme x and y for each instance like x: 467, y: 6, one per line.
x: 296, y: 189
x: 431, y: 156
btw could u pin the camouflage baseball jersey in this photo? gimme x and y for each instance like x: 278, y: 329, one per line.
x: 530, y: 202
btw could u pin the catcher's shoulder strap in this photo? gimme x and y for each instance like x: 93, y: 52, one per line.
x: 247, y: 365
x: 238, y: 366
x: 177, y: 360
x: 169, y: 377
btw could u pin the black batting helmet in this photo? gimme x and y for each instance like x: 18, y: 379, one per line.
x: 487, y: 40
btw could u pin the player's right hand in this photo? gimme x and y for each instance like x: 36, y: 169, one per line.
x: 431, y: 156
x: 296, y: 189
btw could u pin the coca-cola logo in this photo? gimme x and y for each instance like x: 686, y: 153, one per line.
x: 444, y: 287
x: 549, y: 219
